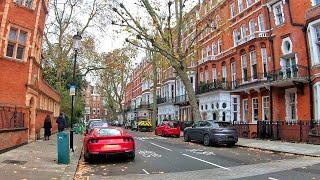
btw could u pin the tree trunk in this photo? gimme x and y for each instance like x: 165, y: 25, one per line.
x: 154, y: 94
x: 191, y: 94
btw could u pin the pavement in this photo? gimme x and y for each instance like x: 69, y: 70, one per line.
x: 38, y: 161
x: 280, y: 146
x: 172, y: 158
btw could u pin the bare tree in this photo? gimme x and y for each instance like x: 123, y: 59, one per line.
x: 163, y: 29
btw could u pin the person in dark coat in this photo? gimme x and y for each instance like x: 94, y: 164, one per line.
x: 47, y: 127
x: 61, y: 121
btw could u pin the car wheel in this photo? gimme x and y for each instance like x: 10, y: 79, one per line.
x: 131, y: 155
x: 86, y: 157
x: 186, y: 137
x: 155, y: 132
x: 231, y: 144
x: 206, y: 140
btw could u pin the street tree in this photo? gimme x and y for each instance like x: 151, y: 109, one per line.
x: 161, y: 30
x: 114, y: 78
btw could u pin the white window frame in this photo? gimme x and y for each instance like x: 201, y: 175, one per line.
x: 249, y: 4
x: 264, y: 98
x: 206, y: 76
x: 262, y: 26
x: 315, y: 3
x: 237, y: 105
x: 252, y: 27
x: 214, y: 49
x: 313, y: 42
x: 277, y: 23
x: 245, y: 110
x: 233, y: 10
x: 253, y: 108
x: 233, y: 74
x: 253, y: 61
x: 17, y: 44
x: 244, y: 65
x: 243, y: 30
x: 214, y: 74
x: 224, y: 72
x: 316, y: 104
x: 235, y: 37
x: 240, y: 6
x: 219, y: 46
x: 264, y: 58
x: 287, y: 99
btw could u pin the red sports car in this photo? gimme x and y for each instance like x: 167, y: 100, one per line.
x: 168, y: 128
x: 108, y: 140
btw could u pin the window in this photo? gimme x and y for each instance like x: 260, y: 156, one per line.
x: 278, y: 13
x: 201, y: 76
x: 264, y: 58
x: 289, y: 67
x: 233, y: 75
x: 243, y: 31
x: 232, y: 10
x: 252, y: 28
x: 224, y: 72
x: 206, y: 76
x: 98, y: 111
x: 253, y: 61
x: 255, y: 109
x: 314, y: 41
x: 16, y: 44
x: 261, y: 23
x: 214, y: 74
x: 316, y: 110
x: 249, y: 3
x: 219, y: 46
x: 235, y: 37
x: 291, y: 104
x: 214, y: 49
x: 27, y: 3
x: 94, y: 111
x: 244, y: 68
x: 235, y: 108
x: 240, y: 6
x: 245, y: 109
x: 315, y: 2
x: 266, y: 108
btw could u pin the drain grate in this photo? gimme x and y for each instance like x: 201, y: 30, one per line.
x: 14, y: 162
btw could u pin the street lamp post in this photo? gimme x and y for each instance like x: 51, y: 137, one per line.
x: 76, y: 46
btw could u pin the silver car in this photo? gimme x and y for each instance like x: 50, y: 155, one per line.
x: 211, y: 133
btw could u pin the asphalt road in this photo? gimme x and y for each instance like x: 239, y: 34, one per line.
x: 163, y: 158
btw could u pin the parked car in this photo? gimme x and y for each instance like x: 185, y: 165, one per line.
x: 144, y: 125
x: 168, y: 128
x: 108, y: 140
x: 186, y: 124
x: 211, y: 133
x: 91, y: 121
x: 96, y: 124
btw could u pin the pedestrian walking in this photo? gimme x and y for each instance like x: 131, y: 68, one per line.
x: 47, y: 127
x: 61, y: 121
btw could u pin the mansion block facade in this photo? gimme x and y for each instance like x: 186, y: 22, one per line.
x: 257, y: 62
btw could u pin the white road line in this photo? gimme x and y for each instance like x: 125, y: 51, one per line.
x: 206, y: 162
x: 271, y: 178
x: 161, y: 147
x: 145, y: 171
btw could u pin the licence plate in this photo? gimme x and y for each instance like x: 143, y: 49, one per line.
x: 111, y: 147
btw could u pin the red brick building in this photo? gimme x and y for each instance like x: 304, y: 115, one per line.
x: 25, y: 98
x: 257, y: 65
x: 94, y: 105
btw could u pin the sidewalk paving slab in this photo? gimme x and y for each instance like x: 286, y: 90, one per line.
x: 38, y: 160
x: 280, y: 146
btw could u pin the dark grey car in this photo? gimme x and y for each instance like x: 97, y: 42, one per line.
x: 211, y: 133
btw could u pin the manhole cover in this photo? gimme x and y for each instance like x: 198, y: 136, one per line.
x: 14, y: 162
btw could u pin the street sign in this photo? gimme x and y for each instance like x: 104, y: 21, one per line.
x: 72, y: 90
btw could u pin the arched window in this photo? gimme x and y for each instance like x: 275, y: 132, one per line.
x: 252, y: 28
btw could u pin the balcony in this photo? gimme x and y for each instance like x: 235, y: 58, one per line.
x: 208, y: 58
x: 255, y: 35
x: 180, y: 100
x: 216, y: 85
x: 289, y: 76
x: 164, y: 100
x: 145, y: 105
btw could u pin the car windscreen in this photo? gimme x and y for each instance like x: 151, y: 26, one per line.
x: 98, y: 124
x: 224, y: 124
x: 109, y: 132
x: 173, y: 124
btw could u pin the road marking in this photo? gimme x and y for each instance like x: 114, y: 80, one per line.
x: 145, y: 171
x: 206, y: 162
x: 161, y: 147
x: 271, y: 178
